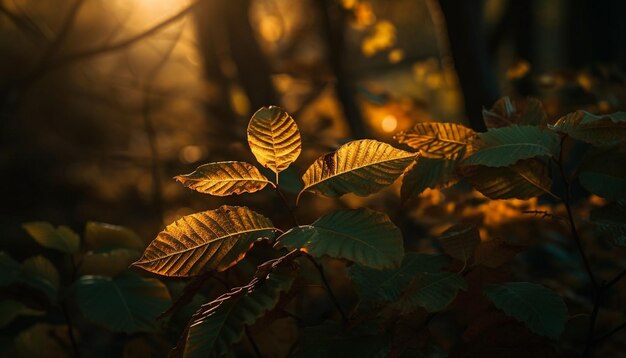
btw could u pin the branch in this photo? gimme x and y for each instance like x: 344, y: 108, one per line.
x: 610, y: 333
x: 331, y: 294
x: 615, y: 280
x: 69, y: 21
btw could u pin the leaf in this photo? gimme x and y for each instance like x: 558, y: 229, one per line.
x: 9, y: 269
x: 601, y: 130
x: 219, y: 324
x: 209, y: 240
x: 428, y: 173
x: 506, y: 146
x: 377, y: 285
x: 602, y: 172
x: 542, y: 310
x: 10, y: 309
x: 611, y: 220
x: 38, y: 272
x: 525, y: 179
x: 495, y: 252
x: 438, y: 140
x: 127, y: 303
x: 43, y: 340
x: 274, y: 138
x: 61, y: 238
x: 432, y: 291
x: 460, y: 241
x: 107, y: 263
x: 225, y: 178
x: 507, y: 112
x: 361, y: 167
x: 364, y: 236
x: 107, y: 236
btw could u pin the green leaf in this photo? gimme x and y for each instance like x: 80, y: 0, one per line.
x: 525, y: 179
x: 506, y: 146
x: 61, y: 238
x: 432, y: 291
x: 507, y: 112
x: 428, y: 173
x: 602, y: 172
x: 601, y: 130
x: 225, y: 178
x: 387, y: 285
x: 361, y: 167
x: 460, y: 241
x: 107, y: 263
x: 331, y: 340
x: 9, y: 269
x: 611, y: 220
x: 364, y: 236
x: 43, y: 340
x: 210, y: 240
x: 38, y: 272
x: 127, y: 303
x: 106, y: 236
x: 217, y: 325
x: 10, y: 309
x: 541, y: 309
x: 438, y: 140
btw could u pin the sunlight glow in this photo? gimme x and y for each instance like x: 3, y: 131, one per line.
x: 389, y: 123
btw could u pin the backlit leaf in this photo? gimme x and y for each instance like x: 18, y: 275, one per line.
x: 217, y: 325
x: 525, y: 179
x: 428, y: 173
x: 100, y: 236
x: 387, y: 285
x: 361, y: 167
x: 225, y: 178
x: 460, y: 241
x: 209, y: 240
x: 507, y: 112
x: 10, y: 309
x: 611, y: 220
x: 438, y: 140
x: 364, y: 236
x: 9, y: 269
x: 541, y: 309
x: 506, y: 146
x: 127, y: 303
x: 602, y: 130
x: 61, y: 238
x: 274, y: 138
x: 603, y: 173
x: 38, y: 272
x: 432, y: 291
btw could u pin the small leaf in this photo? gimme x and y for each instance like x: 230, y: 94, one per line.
x: 438, y: 140
x: 361, y: 167
x: 506, y: 146
x: 507, y: 112
x: 10, y: 309
x: 106, y: 236
x: 210, y: 240
x: 128, y: 303
x: 107, y: 263
x: 274, y: 138
x: 495, y: 253
x: 387, y: 285
x: 9, y: 269
x: 38, y: 272
x: 460, y: 241
x: 364, y: 236
x: 61, y: 238
x: 601, y: 130
x: 602, y: 173
x: 225, y: 178
x: 611, y: 220
x: 432, y: 291
x: 217, y: 325
x: 542, y: 310
x: 525, y: 179
x: 428, y: 173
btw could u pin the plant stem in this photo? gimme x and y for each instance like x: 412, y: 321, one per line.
x: 70, y: 329
x: 292, y: 210
x: 257, y: 351
x: 615, y: 280
x: 331, y: 294
x: 610, y: 333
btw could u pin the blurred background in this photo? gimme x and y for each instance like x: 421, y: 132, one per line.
x: 103, y: 102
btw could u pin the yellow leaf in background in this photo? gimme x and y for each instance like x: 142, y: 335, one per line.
x: 225, y: 178
x: 361, y: 167
x: 209, y: 240
x: 438, y: 140
x: 274, y: 138
x: 381, y: 38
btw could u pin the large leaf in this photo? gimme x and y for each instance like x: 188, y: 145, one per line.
x: 361, y: 167
x: 600, y: 130
x: 432, y: 291
x: 225, y: 178
x: 525, y: 179
x: 101, y: 236
x: 209, y: 240
x: 217, y: 325
x: 429, y: 173
x: 438, y: 140
x: 603, y: 173
x: 506, y: 146
x: 387, y: 285
x: 61, y: 238
x: 127, y: 303
x: 460, y: 241
x: 364, y: 236
x: 542, y: 310
x: 507, y: 112
x: 611, y: 220
x: 9, y: 269
x: 274, y: 138
x: 10, y: 309
x: 38, y: 272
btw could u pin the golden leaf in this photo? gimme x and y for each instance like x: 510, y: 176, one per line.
x: 361, y: 167
x: 438, y: 140
x: 209, y: 240
x: 274, y: 138
x: 225, y: 178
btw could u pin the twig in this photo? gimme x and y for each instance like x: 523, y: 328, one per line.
x: 69, y: 21
x: 331, y: 294
x: 291, y: 209
x: 257, y: 351
x: 610, y: 333
x: 615, y: 280
x: 543, y: 214
x: 70, y: 329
